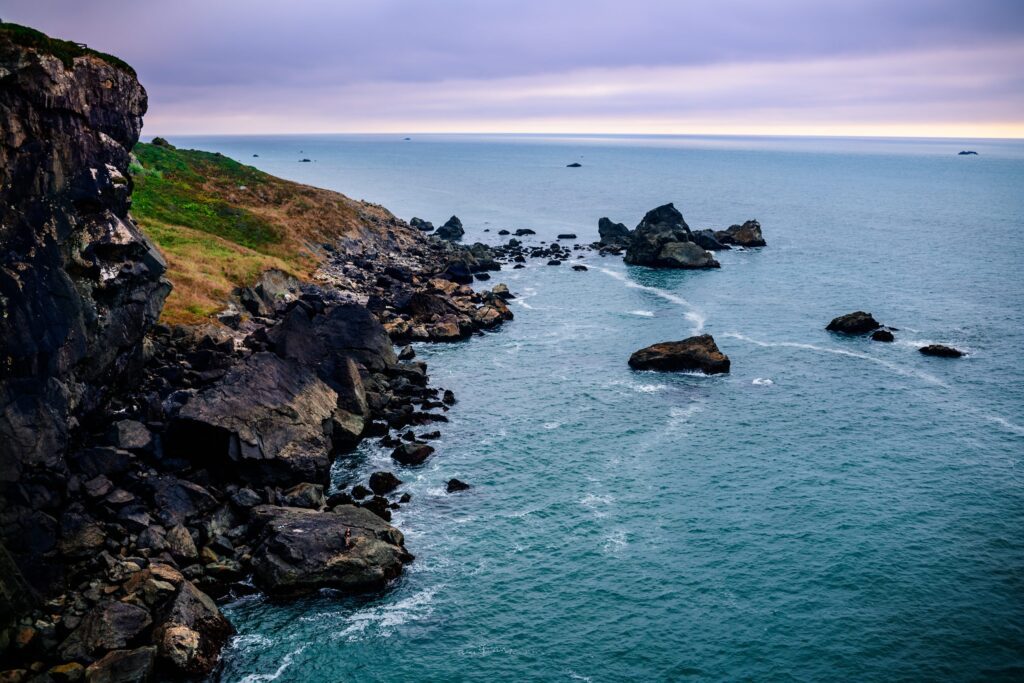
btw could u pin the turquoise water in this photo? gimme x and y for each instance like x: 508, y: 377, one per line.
x: 833, y: 509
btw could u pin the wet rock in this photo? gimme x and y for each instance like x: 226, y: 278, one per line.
x: 340, y: 498
x: 612, y: 234
x: 304, y: 495
x: 410, y: 454
x: 695, y: 353
x: 501, y: 290
x: 379, y: 506
x: 663, y: 240
x: 407, y: 353
x: 882, y: 336
x: 941, y: 351
x: 456, y: 485
x: 567, y: 236
x: 449, y: 397
x: 857, y: 322
x: 359, y: 492
x: 384, y: 482
x: 707, y: 240
x: 522, y: 232
x: 580, y: 268
x: 123, y: 666
x: 301, y: 550
x: 746, y: 235
x: 452, y: 230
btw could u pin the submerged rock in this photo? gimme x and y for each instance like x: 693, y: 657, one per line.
x: 695, y: 353
x: 349, y: 548
x: 941, y: 351
x: 857, y: 322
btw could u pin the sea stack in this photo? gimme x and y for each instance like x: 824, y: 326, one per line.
x: 695, y: 353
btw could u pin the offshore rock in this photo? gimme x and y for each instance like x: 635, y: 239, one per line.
x: 452, y: 230
x: 612, y: 234
x: 302, y: 550
x: 663, y: 240
x: 941, y: 351
x: 857, y: 322
x: 696, y: 353
x: 746, y: 235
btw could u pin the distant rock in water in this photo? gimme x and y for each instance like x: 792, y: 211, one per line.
x: 967, y: 152
x: 567, y: 236
x: 882, y: 336
x: 255, y: 155
x: 696, y: 353
x: 746, y: 235
x: 857, y: 322
x: 612, y: 234
x: 573, y: 165
x: 941, y: 351
x: 521, y: 232
x: 305, y: 161
x: 663, y: 240
x: 456, y: 485
x: 420, y: 224
x: 451, y: 230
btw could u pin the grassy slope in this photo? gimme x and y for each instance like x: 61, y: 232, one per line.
x: 220, y: 223
x: 63, y: 50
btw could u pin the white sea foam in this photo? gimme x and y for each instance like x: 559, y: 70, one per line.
x: 894, y: 367
x: 285, y: 663
x: 615, y: 542
x: 384, y: 618
x: 643, y: 314
x: 762, y: 382
x: 692, y: 314
x: 552, y: 425
x: 1003, y: 422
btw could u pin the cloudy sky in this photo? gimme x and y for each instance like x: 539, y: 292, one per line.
x: 853, y: 67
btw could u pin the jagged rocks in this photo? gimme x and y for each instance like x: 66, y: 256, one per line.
x: 349, y: 548
x: 695, y: 353
x: 411, y: 453
x: 452, y: 230
x: 857, y: 322
x: 384, y: 482
x: 941, y: 351
x: 663, y: 240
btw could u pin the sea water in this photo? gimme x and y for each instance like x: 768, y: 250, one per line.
x: 832, y: 509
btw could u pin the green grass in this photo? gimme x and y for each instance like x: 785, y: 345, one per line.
x: 188, y: 187
x: 63, y: 50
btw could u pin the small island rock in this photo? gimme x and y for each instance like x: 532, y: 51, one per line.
x: 695, y: 353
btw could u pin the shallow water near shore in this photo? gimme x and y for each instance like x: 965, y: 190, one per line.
x: 833, y: 508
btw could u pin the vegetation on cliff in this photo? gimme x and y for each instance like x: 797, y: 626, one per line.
x: 220, y: 224
x: 64, y: 50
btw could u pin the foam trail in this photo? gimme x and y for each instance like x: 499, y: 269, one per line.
x: 693, y: 315
x: 1003, y: 422
x: 285, y: 663
x: 932, y: 379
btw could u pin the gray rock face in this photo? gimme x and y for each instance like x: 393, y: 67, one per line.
x: 857, y: 322
x: 661, y: 239
x: 452, y: 230
x: 79, y: 283
x: 707, y: 239
x: 273, y: 289
x: 695, y: 353
x: 612, y: 234
x: 302, y: 550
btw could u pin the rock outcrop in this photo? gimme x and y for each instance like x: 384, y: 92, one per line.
x: 746, y: 235
x: 941, y: 351
x: 612, y: 234
x: 854, y: 323
x: 663, y: 240
x: 452, y: 230
x: 349, y: 548
x: 695, y: 353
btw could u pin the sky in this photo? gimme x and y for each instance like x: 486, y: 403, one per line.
x: 942, y: 68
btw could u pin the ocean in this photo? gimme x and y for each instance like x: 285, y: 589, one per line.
x: 832, y: 509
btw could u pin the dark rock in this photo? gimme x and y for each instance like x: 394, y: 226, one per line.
x: 521, y: 232
x: 246, y: 498
x: 452, y: 230
x: 305, y: 161
x: 420, y: 224
x: 410, y: 454
x: 272, y: 291
x: 695, y: 353
x: 580, y: 267
x: 405, y: 498
x: 108, y: 626
x: 663, y: 240
x: 504, y: 232
x: 340, y: 498
x: 857, y: 322
x: 177, y: 500
x: 483, y: 276
x: 131, y: 435
x: 456, y: 485
x: 449, y: 397
x: 300, y: 550
x: 191, y: 632
x: 746, y: 235
x: 384, y: 482
x: 882, y: 336
x: 941, y: 351
x: 457, y: 271
x: 574, y: 165
x: 379, y: 506
x: 304, y: 495
x: 123, y: 666
x: 967, y: 152
x: 359, y: 492
x: 554, y: 262
x: 707, y: 240
x: 407, y: 353
x: 567, y: 236
x: 612, y: 234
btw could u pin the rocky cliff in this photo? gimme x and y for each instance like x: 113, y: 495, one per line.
x: 79, y: 283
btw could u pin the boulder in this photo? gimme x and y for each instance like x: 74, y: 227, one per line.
x: 882, y: 336
x: 857, y: 322
x: 707, y: 240
x: 304, y: 495
x: 695, y: 353
x: 123, y: 666
x: 272, y: 290
x: 384, y: 482
x: 663, y: 240
x: 420, y: 224
x: 567, y: 236
x: 941, y: 351
x: 456, y: 485
x: 412, y: 453
x: 746, y: 235
x: 300, y: 550
x: 325, y: 340
x: 612, y: 234
x: 522, y: 232
x: 191, y: 632
x: 269, y: 419
x: 452, y: 230
x: 108, y: 626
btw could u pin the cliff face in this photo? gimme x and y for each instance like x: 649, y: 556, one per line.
x: 79, y: 283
